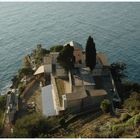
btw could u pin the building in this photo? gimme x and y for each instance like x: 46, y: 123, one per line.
x: 77, y: 51
x: 79, y: 89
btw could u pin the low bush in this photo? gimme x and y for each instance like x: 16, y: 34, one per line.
x: 105, y: 105
x: 2, y: 102
x: 118, y: 132
x: 116, y: 127
x: 62, y: 122
x: 1, y: 128
x: 25, y: 72
x: 133, y: 102
x: 137, y: 120
x: 56, y: 48
x: 32, y: 126
x: 130, y: 122
x: 124, y: 117
x: 104, y: 134
x: 21, y: 87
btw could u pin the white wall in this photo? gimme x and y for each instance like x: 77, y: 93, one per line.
x: 48, y: 68
x: 60, y: 72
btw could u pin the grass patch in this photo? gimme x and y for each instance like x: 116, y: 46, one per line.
x: 61, y: 89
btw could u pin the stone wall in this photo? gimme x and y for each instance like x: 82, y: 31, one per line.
x: 85, y: 103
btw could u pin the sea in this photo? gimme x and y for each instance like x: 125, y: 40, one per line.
x: 115, y: 27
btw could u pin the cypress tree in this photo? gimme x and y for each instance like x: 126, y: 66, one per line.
x: 90, y: 53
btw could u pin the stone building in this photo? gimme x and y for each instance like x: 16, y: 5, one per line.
x: 77, y: 51
x: 79, y: 89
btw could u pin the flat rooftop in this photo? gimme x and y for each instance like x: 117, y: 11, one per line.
x: 48, y: 105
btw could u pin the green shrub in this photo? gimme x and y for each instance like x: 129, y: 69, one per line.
x: 21, y: 87
x: 56, y: 48
x: 137, y: 120
x: 32, y: 126
x: 116, y: 127
x: 2, y: 102
x: 125, y: 117
x: 62, y: 122
x: 130, y: 122
x: 117, y: 130
x: 104, y: 134
x: 133, y: 102
x: 1, y: 128
x: 105, y: 105
x: 25, y: 71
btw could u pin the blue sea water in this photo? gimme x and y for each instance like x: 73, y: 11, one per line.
x: 114, y: 26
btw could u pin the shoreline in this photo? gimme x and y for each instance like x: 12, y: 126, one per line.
x: 6, y: 88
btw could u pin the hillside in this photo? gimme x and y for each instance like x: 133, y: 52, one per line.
x: 125, y: 124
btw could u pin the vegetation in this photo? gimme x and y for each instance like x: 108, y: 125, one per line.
x: 90, y: 53
x: 2, y: 109
x: 118, y: 70
x: 1, y: 125
x: 32, y: 126
x: 105, y: 105
x: 2, y: 103
x: 130, y: 86
x: 62, y: 122
x: 125, y: 117
x: 15, y: 80
x: 133, y: 102
x: 38, y: 54
x: 137, y: 120
x: 128, y: 122
x: 66, y: 58
x: 26, y: 62
x: 21, y: 87
x: 25, y: 72
x: 56, y: 48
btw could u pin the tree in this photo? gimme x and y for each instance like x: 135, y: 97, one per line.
x: 118, y: 71
x: 136, y: 87
x: 90, y: 53
x: 25, y: 72
x: 105, y: 105
x: 66, y: 58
